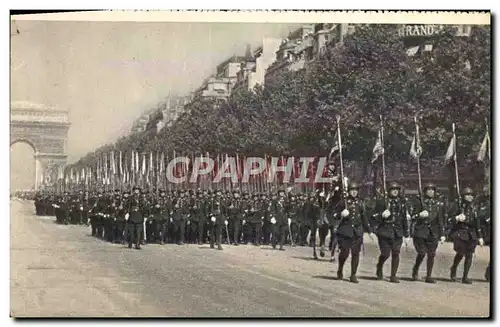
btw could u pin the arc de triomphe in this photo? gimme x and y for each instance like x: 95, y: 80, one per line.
x: 46, y: 130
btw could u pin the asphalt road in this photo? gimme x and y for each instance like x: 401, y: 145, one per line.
x: 61, y: 271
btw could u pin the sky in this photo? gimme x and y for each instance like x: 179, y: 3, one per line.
x: 107, y: 73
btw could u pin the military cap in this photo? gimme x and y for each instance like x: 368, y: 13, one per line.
x: 429, y: 186
x: 468, y: 191
x: 117, y: 190
x: 353, y: 186
x: 136, y: 188
x: 394, y: 186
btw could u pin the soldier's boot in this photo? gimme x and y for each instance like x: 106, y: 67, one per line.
x: 467, y: 265
x: 344, y: 254
x: 212, y: 239
x: 219, y: 240
x: 394, y: 268
x: 430, y: 266
x: 380, y: 265
x: 354, y: 268
x: 282, y: 241
x: 418, y: 262
x: 453, y: 269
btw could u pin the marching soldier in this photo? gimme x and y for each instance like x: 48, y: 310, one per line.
x: 217, y: 220
x: 278, y: 220
x: 292, y: 212
x: 146, y: 212
x: 202, y: 212
x: 160, y: 217
x: 194, y: 218
x: 392, y: 227
x: 135, y: 218
x: 255, y: 218
x: 266, y: 225
x: 353, y: 219
x: 120, y: 223
x: 485, y: 216
x: 246, y: 207
x: 179, y: 218
x: 466, y: 232
x: 302, y: 220
x: 235, y: 215
x: 428, y: 229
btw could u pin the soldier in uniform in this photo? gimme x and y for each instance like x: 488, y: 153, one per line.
x: 484, y: 213
x: 466, y: 232
x: 217, y: 220
x: 278, y: 220
x: 353, y: 219
x: 428, y: 229
x: 119, y: 218
x: 246, y: 206
x: 235, y: 216
x: 160, y: 212
x: 392, y: 227
x: 200, y: 211
x: 266, y: 225
x: 302, y: 219
x: 99, y: 210
x: 64, y: 208
x: 38, y: 202
x: 255, y: 218
x: 135, y: 218
x: 179, y: 217
x: 146, y: 232
x: 292, y: 213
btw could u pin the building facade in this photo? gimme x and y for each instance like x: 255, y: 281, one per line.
x: 171, y: 108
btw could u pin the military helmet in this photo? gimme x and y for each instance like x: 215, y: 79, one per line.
x: 394, y: 186
x: 467, y: 191
x: 353, y: 186
x: 430, y: 186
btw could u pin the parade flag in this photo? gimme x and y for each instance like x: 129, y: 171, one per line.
x: 449, y: 157
x: 484, y: 150
x: 113, y: 163
x: 378, y: 149
x: 143, y: 170
x: 416, y: 148
x: 120, y: 164
x: 336, y: 148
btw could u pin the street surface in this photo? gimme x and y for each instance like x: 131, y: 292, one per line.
x: 61, y: 271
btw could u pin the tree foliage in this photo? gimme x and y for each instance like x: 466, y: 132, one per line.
x: 368, y: 76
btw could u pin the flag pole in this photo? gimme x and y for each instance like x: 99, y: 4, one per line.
x: 455, y: 163
x: 489, y: 157
x: 383, y: 157
x: 341, y: 163
x: 417, y: 147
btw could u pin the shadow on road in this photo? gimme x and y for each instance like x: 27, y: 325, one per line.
x: 310, y: 259
x: 325, y: 277
x: 367, y: 277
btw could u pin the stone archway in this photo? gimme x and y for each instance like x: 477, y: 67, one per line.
x: 46, y: 130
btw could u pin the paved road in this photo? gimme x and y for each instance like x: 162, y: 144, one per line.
x: 61, y: 271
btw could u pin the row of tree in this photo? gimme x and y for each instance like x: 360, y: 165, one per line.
x: 368, y: 76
